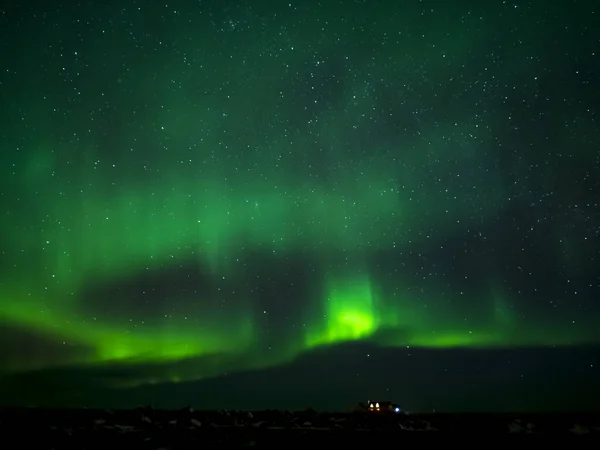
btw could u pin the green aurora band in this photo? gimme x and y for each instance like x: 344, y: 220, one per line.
x: 103, y: 237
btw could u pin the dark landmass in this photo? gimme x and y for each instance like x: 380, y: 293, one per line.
x: 332, y: 379
x: 335, y: 378
x: 164, y: 429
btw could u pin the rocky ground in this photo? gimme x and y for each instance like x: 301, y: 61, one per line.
x: 160, y: 429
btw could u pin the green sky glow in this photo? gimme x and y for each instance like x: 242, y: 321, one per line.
x: 212, y: 197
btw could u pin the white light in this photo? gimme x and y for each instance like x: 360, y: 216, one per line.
x: 397, y: 409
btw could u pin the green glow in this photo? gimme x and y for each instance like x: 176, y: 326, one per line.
x: 315, y: 190
x: 112, y: 341
x: 353, y: 311
x: 351, y: 314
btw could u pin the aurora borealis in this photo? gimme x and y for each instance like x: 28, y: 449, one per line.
x: 197, y: 188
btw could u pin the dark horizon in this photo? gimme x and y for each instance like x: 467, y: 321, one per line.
x: 443, y: 381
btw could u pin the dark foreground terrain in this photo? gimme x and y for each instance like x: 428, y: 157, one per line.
x: 161, y: 429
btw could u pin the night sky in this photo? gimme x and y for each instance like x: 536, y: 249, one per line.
x: 273, y: 203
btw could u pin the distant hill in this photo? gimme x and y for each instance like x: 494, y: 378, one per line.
x: 339, y: 377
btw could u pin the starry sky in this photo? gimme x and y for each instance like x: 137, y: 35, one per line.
x: 204, y: 191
